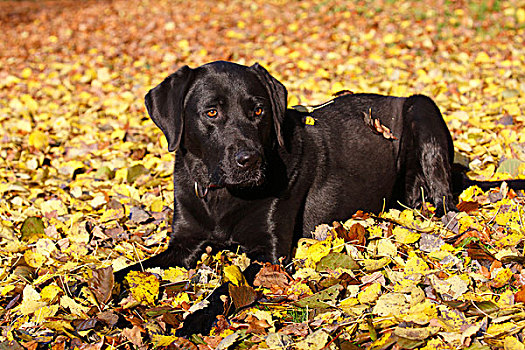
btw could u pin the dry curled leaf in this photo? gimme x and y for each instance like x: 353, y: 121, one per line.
x: 271, y: 276
x: 102, y: 284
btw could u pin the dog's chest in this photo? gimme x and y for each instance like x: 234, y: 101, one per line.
x: 237, y: 221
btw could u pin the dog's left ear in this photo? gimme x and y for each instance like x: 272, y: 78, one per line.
x: 278, y: 97
x: 165, y: 105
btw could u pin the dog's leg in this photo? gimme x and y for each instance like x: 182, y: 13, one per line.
x: 177, y: 254
x: 163, y: 260
x: 434, y: 152
x: 202, y: 320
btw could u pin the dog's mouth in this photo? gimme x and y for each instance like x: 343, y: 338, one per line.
x: 235, y: 178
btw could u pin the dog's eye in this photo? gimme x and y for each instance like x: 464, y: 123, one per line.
x: 212, y: 113
x: 258, y: 111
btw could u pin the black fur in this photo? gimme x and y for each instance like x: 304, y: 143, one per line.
x: 265, y: 180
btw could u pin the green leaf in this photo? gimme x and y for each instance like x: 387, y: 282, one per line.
x: 321, y: 299
x: 105, y: 173
x: 32, y: 229
x: 509, y: 166
x: 335, y: 260
x: 135, y: 171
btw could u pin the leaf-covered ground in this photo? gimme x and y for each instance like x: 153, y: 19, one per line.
x: 85, y: 176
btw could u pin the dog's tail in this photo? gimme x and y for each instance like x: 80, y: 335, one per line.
x: 460, y: 181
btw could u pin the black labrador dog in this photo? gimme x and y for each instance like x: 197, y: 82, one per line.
x: 252, y: 174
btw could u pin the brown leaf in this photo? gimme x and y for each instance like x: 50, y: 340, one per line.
x: 102, y: 284
x: 468, y: 206
x: 133, y: 335
x: 270, y: 276
x: 181, y: 344
x: 478, y: 252
x: 108, y: 317
x: 242, y: 295
x: 83, y: 325
x: 355, y: 235
x: 296, y: 329
x: 255, y: 325
x: 360, y: 215
x: 30, y: 345
x: 519, y: 296
x: 341, y: 231
x: 221, y: 324
x: 376, y: 126
x: 342, y: 93
x: 138, y: 153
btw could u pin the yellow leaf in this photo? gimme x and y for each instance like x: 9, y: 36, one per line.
x: 470, y: 193
x: 415, y: 264
x: 302, y: 247
x: 385, y: 247
x: 74, y: 306
x: 234, y: 275
x: 511, y: 239
x: 314, y: 341
x: 293, y: 100
x: 68, y: 168
x: 45, y: 246
x: 50, y: 292
x: 318, y: 250
x: 163, y: 142
x: 407, y: 217
x: 179, y: 299
x: 391, y: 304
x: 348, y: 302
x: 34, y: 259
x: 157, y: 205
x: 163, y: 340
x: 381, y: 342
x: 53, y: 205
x: 143, y: 286
x: 369, y: 294
x: 482, y: 57
x: 336, y: 87
x: 118, y: 134
x: 175, y: 274
x: 38, y: 139
x: 520, y: 15
x: 421, y: 313
x: 29, y: 102
x: 496, y: 330
x: 506, y: 299
x: 303, y: 65
x: 44, y: 312
x: 502, y: 277
x: 30, y: 301
x: 26, y: 73
x: 375, y: 232
x: 375, y: 264
x: 4, y: 290
x: 309, y: 120
x: 511, y: 343
x: 405, y: 236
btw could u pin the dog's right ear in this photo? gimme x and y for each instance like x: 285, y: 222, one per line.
x: 165, y: 105
x: 278, y: 98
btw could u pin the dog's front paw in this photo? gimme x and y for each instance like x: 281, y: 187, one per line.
x: 199, y: 322
x: 202, y: 320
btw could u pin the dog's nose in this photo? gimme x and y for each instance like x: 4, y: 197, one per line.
x: 247, y: 159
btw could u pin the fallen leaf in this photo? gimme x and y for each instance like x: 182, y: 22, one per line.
x: 102, y: 284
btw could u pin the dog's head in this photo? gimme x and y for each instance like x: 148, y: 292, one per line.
x: 225, y: 114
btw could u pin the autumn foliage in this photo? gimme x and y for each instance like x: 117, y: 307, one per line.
x: 86, y: 187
